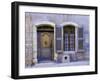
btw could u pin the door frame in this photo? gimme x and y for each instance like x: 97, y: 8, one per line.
x: 37, y: 24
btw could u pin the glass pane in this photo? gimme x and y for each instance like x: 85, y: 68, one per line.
x: 66, y: 42
x: 69, y: 38
x: 72, y: 42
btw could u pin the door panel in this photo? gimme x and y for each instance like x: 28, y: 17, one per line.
x: 46, y: 40
x: 45, y: 46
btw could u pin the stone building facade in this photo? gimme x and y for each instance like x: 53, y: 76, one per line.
x: 60, y: 38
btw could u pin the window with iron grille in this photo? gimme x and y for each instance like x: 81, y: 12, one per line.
x: 69, y: 38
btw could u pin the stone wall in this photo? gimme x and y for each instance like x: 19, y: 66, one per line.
x: 32, y: 18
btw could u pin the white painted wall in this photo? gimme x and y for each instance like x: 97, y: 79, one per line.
x: 5, y: 40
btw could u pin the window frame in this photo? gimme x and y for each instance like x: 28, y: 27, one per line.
x: 76, y: 30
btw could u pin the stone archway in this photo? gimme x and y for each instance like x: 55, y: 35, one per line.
x: 44, y: 41
x: 45, y: 45
x: 71, y: 26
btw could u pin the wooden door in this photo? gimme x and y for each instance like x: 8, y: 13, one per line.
x: 46, y: 46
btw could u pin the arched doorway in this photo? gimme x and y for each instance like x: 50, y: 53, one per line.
x: 45, y: 43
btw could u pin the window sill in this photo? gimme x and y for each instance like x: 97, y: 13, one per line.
x: 69, y: 52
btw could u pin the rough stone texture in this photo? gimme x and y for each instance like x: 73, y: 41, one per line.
x: 80, y: 56
x: 28, y: 40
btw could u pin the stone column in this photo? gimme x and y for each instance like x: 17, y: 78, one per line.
x: 34, y: 44
x: 76, y: 39
x: 28, y: 39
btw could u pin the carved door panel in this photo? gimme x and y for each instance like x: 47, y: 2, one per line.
x: 46, y: 40
x: 46, y: 45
